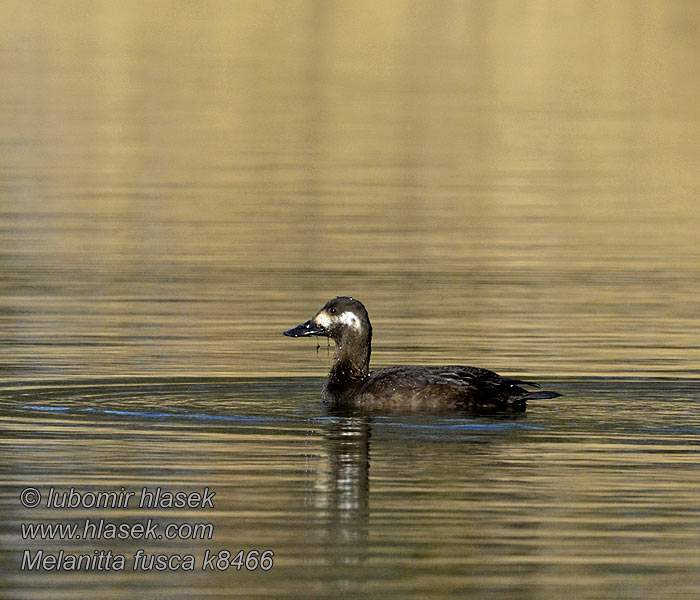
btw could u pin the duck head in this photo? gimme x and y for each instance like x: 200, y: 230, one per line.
x: 346, y: 322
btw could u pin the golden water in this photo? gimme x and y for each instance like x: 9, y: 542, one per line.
x: 510, y: 185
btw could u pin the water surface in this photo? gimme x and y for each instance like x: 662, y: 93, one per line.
x: 594, y: 494
x: 508, y: 185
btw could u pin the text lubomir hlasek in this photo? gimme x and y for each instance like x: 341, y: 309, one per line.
x: 147, y: 498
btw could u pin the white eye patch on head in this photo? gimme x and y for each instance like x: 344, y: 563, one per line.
x: 350, y: 319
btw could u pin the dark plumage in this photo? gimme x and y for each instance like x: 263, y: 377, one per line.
x: 351, y: 383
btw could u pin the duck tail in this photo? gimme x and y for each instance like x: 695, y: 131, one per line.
x: 544, y: 395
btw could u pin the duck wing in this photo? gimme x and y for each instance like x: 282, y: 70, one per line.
x: 493, y: 383
x: 470, y: 386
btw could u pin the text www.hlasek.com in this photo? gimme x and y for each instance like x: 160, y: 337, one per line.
x: 106, y: 530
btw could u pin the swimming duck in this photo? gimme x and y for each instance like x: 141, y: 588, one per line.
x: 350, y: 382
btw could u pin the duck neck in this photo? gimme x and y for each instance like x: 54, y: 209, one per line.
x: 351, y: 357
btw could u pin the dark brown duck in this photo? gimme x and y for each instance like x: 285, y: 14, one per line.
x: 351, y: 383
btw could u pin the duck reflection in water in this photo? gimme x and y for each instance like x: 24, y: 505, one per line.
x: 341, y: 495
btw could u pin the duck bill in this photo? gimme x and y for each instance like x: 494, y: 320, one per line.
x: 306, y: 329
